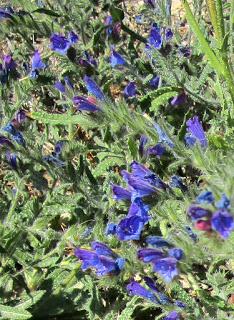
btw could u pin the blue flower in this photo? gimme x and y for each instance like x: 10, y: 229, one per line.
x: 83, y: 104
x: 158, y: 150
x: 16, y: 135
x: 139, y: 19
x: 142, y: 143
x: 167, y: 268
x: 73, y: 37
x: 205, y: 197
x: 223, y: 203
x: 9, y: 63
x: 154, y: 82
x: 174, y: 315
x: 130, y: 228
x: 194, y: 128
x: 59, y: 43
x: 155, y: 38
x: 5, y: 14
x: 5, y: 142
x: 185, y: 52
x: 150, y: 255
x: 151, y: 3
x: 37, y: 64
x: 120, y: 193
x: 11, y: 158
x: 103, y: 259
x: 176, y: 253
x: 196, y: 212
x: 111, y: 229
x: 116, y: 59
x: 60, y: 86
x: 130, y: 90
x: 93, y: 88
x: 191, y: 234
x: 179, y: 100
x: 135, y: 289
x: 140, y: 171
x: 168, y: 34
x: 176, y: 182
x: 157, y: 241
x: 163, y: 137
x: 222, y: 222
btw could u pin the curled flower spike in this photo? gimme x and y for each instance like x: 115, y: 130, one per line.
x: 102, y: 259
x: 93, y: 88
x: 195, y: 130
x: 116, y: 59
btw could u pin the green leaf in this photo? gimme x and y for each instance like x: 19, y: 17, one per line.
x: 47, y: 12
x: 162, y: 97
x: 116, y: 13
x: 205, y: 47
x: 14, y: 313
x: 31, y: 299
x: 63, y: 119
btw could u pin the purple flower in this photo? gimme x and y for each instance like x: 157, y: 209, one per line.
x: 73, y: 37
x: 11, y: 158
x: 59, y: 43
x: 20, y: 117
x: 158, y: 150
x: 185, y: 52
x: 140, y: 171
x: 130, y: 90
x: 176, y: 253
x: 157, y: 242
x: 83, y: 104
x: 93, y: 88
x: 140, y: 188
x: 176, y: 182
x: 58, y: 147
x: 167, y: 268
x: 154, y: 82
x: 179, y: 100
x: 150, y: 255
x: 5, y: 142
x: 5, y: 14
x: 143, y: 141
x: 163, y: 137
x: 222, y: 222
x: 103, y: 259
x: 120, y: 193
x: 205, y: 197
x: 174, y: 315
x: 111, y: 229
x: 151, y: 3
x: 223, y: 203
x: 9, y: 64
x: 116, y: 59
x: 168, y: 34
x: 60, y: 86
x: 135, y: 289
x: 37, y: 64
x: 196, y: 212
x: 130, y: 228
x: 155, y: 38
x: 16, y: 135
x: 194, y: 128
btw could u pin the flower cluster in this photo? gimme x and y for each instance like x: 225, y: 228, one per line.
x: 215, y: 218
